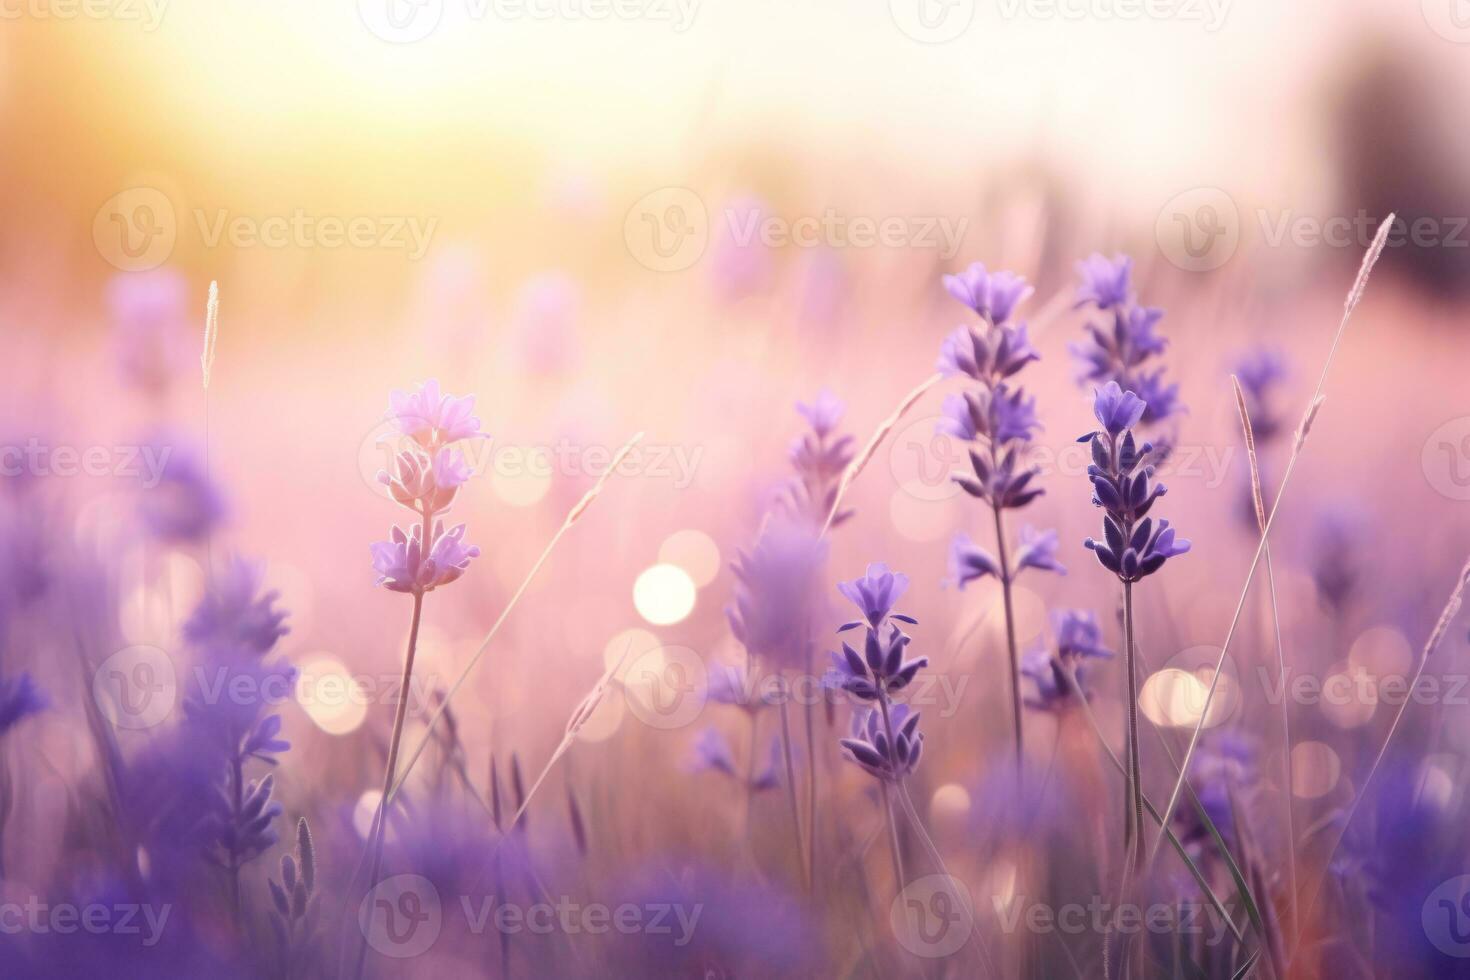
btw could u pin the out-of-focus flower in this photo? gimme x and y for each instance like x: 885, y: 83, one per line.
x: 824, y: 412
x: 712, y: 753
x: 1337, y: 544
x: 776, y: 593
x: 1078, y: 634
x: 1260, y: 371
x: 185, y: 504
x: 1078, y: 639
x: 149, y: 312
x: 1117, y: 352
x: 234, y: 612
x: 20, y: 697
x: 432, y: 418
x: 820, y: 458
x: 402, y: 565
x: 992, y: 295
x: 871, y: 748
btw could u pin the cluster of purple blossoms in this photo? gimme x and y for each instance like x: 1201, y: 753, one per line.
x: 233, y: 632
x: 1260, y: 370
x: 885, y: 739
x: 426, y: 476
x: 996, y: 416
x: 1078, y: 640
x: 712, y: 753
x: 1120, y: 351
x: 820, y: 456
x: 1134, y: 545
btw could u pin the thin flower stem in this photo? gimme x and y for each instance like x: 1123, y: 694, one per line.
x: 811, y: 780
x: 894, y: 847
x: 791, y: 793
x: 750, y: 776
x: 1005, y: 587
x: 1135, y: 765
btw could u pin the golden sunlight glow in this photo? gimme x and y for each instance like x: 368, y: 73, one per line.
x: 664, y: 594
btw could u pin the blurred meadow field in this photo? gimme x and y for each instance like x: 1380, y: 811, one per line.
x: 675, y: 488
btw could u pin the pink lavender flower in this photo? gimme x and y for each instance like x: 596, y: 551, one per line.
x: 402, y: 565
x: 824, y: 412
x: 991, y: 295
x: 432, y: 418
x: 425, y: 486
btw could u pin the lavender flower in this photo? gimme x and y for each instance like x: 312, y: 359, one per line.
x: 1119, y: 352
x: 880, y: 756
x: 1078, y: 639
x: 148, y: 312
x: 885, y: 740
x: 968, y: 561
x: 1133, y: 544
x: 991, y: 295
x: 232, y: 613
x: 875, y: 594
x: 776, y: 593
x: 1260, y: 370
x: 403, y: 567
x: 185, y: 505
x: 432, y: 418
x: 20, y: 697
x: 820, y: 457
x: 712, y: 753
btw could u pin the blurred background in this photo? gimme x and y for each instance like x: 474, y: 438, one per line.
x: 681, y: 218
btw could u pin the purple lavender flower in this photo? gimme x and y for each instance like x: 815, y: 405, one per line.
x: 402, y: 566
x: 20, y: 697
x: 879, y: 669
x: 820, y: 458
x: 1037, y: 549
x: 991, y: 356
x: 232, y: 613
x: 1078, y: 634
x: 875, y: 594
x: 1260, y: 370
x: 776, y: 593
x: 1133, y: 545
x: 1078, y: 639
x: 1119, y: 351
x: 991, y: 295
x: 997, y: 414
x: 712, y: 753
x: 871, y: 748
x: 1105, y: 282
x: 185, y: 505
x: 432, y: 418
